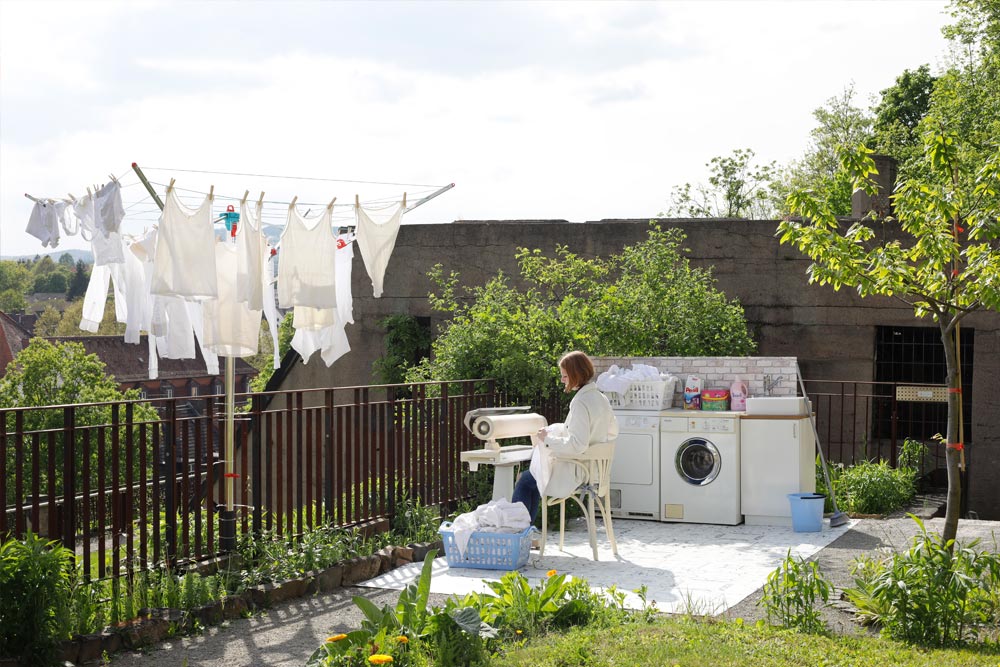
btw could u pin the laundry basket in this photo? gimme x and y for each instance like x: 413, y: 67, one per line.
x: 488, y: 551
x: 645, y: 395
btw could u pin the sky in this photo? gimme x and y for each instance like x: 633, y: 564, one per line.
x: 534, y: 110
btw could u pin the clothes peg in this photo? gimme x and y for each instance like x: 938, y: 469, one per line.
x: 71, y: 197
x: 357, y: 202
x: 211, y: 192
x: 260, y: 202
x: 171, y: 186
x: 89, y: 195
x: 330, y: 205
x: 34, y: 199
x: 404, y: 200
x: 294, y: 199
x: 244, y: 200
x: 112, y: 177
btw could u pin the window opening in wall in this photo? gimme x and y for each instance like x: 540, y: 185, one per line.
x: 916, y: 355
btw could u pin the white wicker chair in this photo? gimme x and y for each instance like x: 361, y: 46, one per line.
x: 594, y: 493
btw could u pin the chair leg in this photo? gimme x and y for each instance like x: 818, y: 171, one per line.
x: 562, y: 524
x: 545, y: 527
x: 591, y: 523
x: 605, y: 502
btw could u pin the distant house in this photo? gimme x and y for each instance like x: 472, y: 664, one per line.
x: 13, y: 338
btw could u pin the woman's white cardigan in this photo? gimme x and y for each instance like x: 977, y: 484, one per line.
x: 590, y: 421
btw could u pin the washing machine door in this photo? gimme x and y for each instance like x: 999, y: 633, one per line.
x: 698, y: 461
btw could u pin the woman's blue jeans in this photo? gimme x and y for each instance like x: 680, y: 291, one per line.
x: 526, y: 491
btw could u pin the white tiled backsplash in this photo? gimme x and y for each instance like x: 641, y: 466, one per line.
x: 718, y: 372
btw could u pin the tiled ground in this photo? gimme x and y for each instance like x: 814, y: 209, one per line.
x: 686, y: 567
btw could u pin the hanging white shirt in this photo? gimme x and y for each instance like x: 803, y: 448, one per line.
x: 376, y: 240
x: 185, y: 251
x: 306, y: 273
x: 344, y: 266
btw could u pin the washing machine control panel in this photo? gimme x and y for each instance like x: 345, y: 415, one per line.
x: 636, y: 423
x: 711, y: 425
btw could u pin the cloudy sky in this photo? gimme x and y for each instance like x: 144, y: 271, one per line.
x: 576, y: 111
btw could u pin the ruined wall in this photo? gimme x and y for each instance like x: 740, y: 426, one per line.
x: 831, y: 333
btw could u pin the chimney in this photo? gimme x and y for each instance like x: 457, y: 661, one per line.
x: 862, y: 203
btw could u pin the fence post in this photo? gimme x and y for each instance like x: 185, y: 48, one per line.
x: 170, y: 473
x: 391, y: 445
x: 256, y: 478
x: 443, y: 451
x: 69, y: 477
x: 895, y: 424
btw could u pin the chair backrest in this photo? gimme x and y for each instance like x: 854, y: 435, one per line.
x: 595, y: 464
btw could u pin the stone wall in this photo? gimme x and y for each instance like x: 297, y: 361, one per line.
x: 831, y: 332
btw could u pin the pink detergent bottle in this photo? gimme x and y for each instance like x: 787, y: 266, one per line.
x: 738, y: 396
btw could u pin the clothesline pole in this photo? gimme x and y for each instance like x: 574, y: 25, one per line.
x: 149, y: 188
x: 227, y: 517
x: 431, y: 196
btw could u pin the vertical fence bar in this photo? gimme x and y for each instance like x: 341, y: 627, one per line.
x: 85, y: 492
x: 210, y: 459
x: 290, y: 465
x: 3, y: 470
x: 116, y: 506
x: 328, y: 467
x: 170, y: 479
x: 256, y: 473
x: 444, y: 465
x: 194, y: 471
x: 300, y: 462
x: 129, y: 485
x: 19, y: 526
x: 102, y: 500
x: 158, y: 473
x: 392, y: 447
x: 184, y: 503
x: 36, y: 483
x: 313, y: 453
x: 69, y: 476
x: 144, y: 519
x: 272, y: 433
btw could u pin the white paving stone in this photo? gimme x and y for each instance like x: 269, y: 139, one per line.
x: 685, y: 567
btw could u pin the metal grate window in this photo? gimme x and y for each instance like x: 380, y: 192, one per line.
x: 916, y: 355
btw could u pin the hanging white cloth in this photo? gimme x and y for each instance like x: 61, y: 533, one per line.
x: 251, y: 256
x: 96, y: 296
x: 376, y: 241
x: 108, y: 208
x: 306, y: 274
x: 270, y: 307
x: 184, y: 263
x: 344, y: 266
x: 232, y: 329
x: 43, y: 223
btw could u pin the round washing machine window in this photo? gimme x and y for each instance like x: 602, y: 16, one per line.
x: 698, y: 461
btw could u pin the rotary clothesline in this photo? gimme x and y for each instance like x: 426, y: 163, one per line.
x: 181, y: 285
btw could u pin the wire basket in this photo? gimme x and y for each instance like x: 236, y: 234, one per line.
x: 488, y: 551
x: 645, y: 395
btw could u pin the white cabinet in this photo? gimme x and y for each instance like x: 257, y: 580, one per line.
x: 778, y: 457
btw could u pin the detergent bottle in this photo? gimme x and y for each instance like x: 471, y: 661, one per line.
x: 738, y: 395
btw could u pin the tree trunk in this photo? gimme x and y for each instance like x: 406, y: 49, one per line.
x: 952, y: 455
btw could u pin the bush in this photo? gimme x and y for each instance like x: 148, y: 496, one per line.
x: 874, y: 488
x: 34, y: 599
x: 937, y: 593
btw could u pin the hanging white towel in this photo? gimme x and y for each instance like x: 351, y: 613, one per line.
x: 185, y: 251
x: 376, y: 241
x: 251, y: 254
x: 232, y: 329
x: 344, y: 267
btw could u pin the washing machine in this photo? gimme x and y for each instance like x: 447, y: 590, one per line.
x: 635, y: 470
x: 700, y: 467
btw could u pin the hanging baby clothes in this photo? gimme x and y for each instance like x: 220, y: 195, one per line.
x: 231, y: 328
x: 252, y: 254
x: 184, y: 264
x: 270, y: 306
x: 306, y: 273
x: 106, y: 245
x: 331, y: 341
x: 108, y: 208
x: 376, y: 241
x: 97, y: 296
x: 43, y: 223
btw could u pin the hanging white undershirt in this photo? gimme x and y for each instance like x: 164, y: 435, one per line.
x: 376, y: 240
x: 252, y: 254
x: 270, y: 307
x: 344, y: 266
x: 306, y: 273
x: 185, y: 251
x: 108, y: 208
x: 231, y: 328
x: 331, y: 341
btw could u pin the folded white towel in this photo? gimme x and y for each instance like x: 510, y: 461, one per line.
x: 496, y: 516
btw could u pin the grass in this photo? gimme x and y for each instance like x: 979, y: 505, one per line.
x: 688, y: 642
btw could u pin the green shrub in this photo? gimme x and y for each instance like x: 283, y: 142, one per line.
x: 937, y: 593
x: 791, y: 593
x: 874, y: 488
x: 35, y: 577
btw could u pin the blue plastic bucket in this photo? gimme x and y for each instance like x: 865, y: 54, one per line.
x: 807, y: 512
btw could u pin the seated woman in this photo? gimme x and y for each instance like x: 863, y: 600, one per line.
x: 590, y: 421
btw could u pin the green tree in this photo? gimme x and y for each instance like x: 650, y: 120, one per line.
x: 78, y: 282
x: 54, y: 282
x: 66, y: 260
x: 12, y: 301
x: 946, y: 266
x: 14, y: 276
x: 406, y: 343
x: 737, y: 188
x: 841, y: 124
x: 47, y: 374
x: 647, y: 300
x: 285, y: 334
x: 899, y: 113
x: 69, y: 325
x: 47, y: 322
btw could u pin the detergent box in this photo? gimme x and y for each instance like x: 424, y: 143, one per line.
x: 692, y: 393
x: 715, y: 399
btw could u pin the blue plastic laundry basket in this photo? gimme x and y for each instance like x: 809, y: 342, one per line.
x: 488, y: 551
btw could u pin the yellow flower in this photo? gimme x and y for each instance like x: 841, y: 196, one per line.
x: 380, y: 659
x: 336, y: 638
x: 517, y: 631
x: 551, y: 573
x: 403, y: 639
